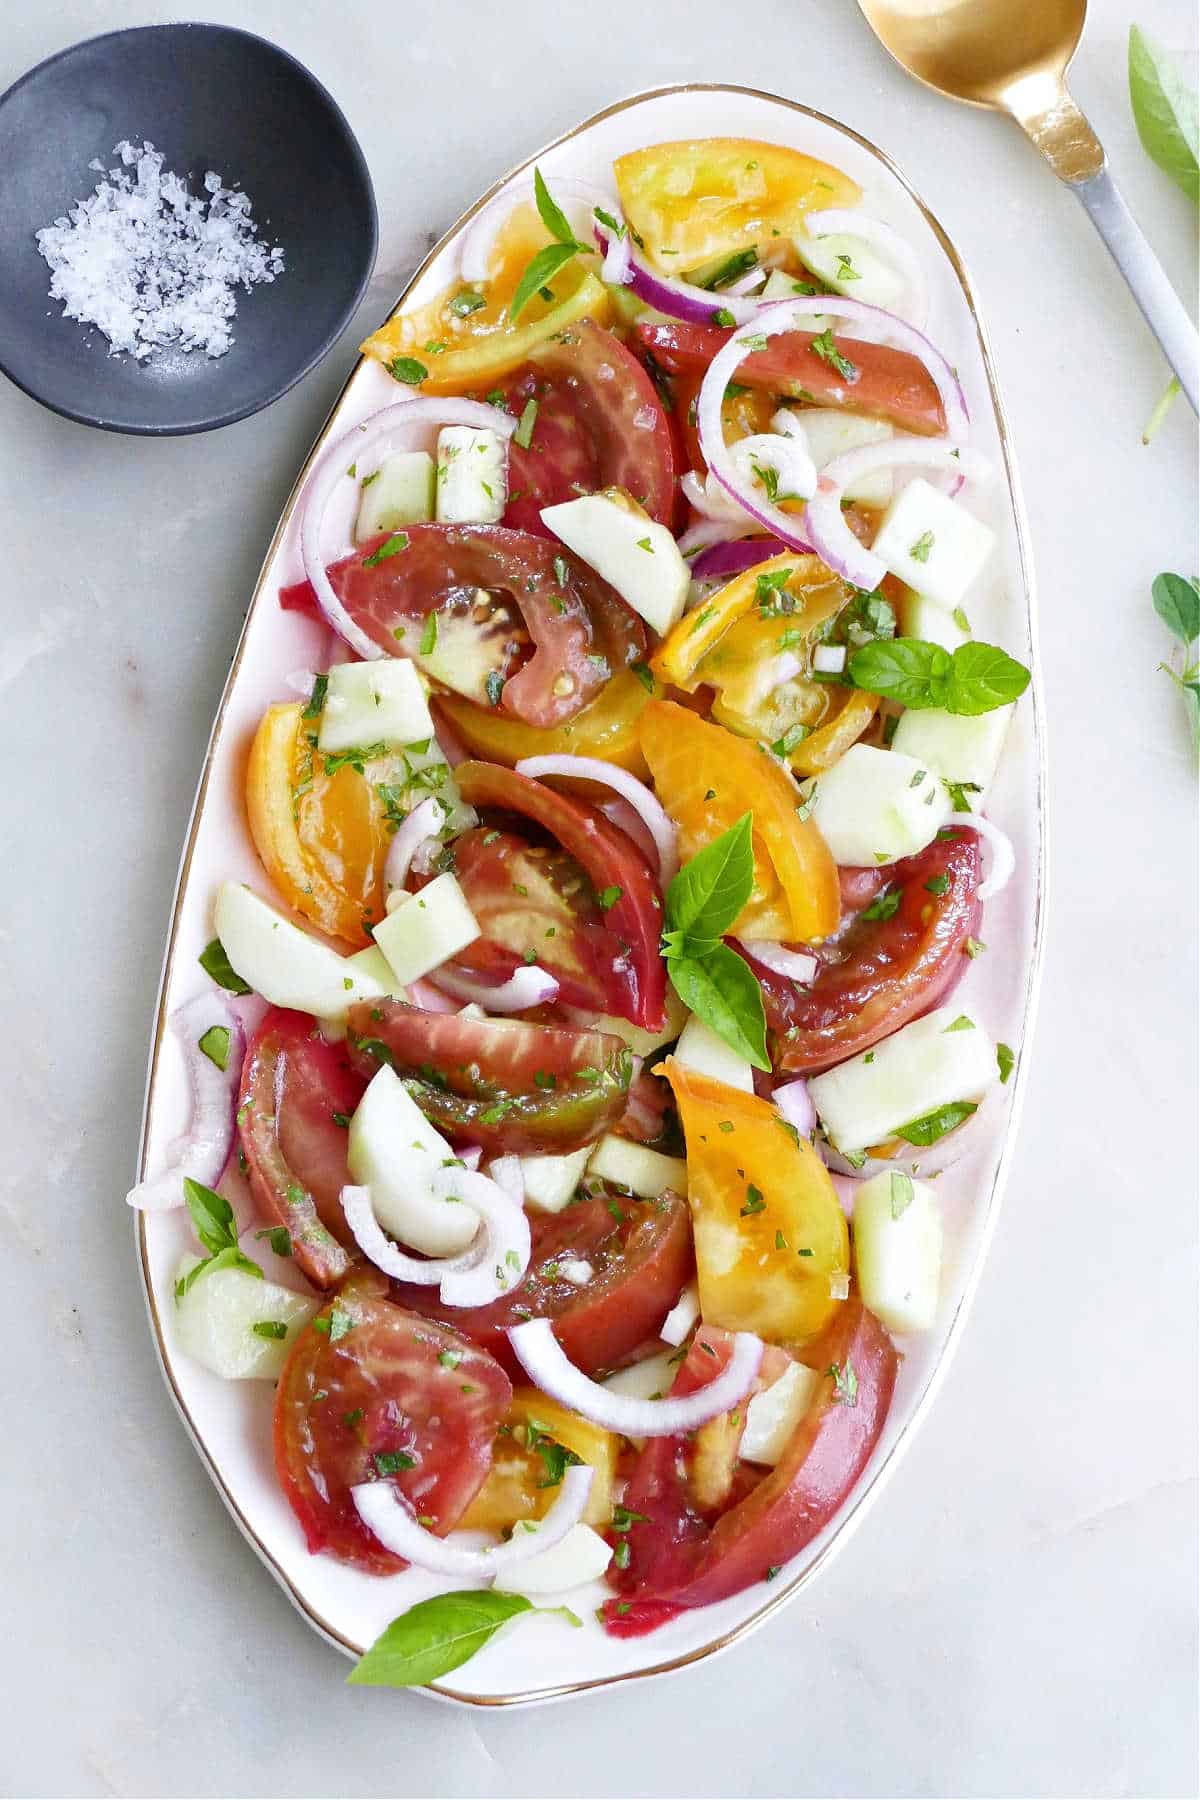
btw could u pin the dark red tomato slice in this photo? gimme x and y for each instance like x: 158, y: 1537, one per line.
x: 366, y: 1396
x: 548, y: 629
x: 890, y: 385
x: 295, y: 1088
x: 502, y: 1083
x: 685, y: 1557
x: 613, y: 864
x: 641, y: 1257
x: 534, y: 902
x: 599, y: 424
x: 878, y: 972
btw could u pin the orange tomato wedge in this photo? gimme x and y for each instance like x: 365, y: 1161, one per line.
x: 518, y: 1485
x: 772, y: 1247
x: 607, y: 729
x: 707, y: 778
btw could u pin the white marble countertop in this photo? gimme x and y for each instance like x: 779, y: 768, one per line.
x: 1019, y: 1617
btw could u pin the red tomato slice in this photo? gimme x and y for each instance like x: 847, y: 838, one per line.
x: 379, y: 1394
x: 683, y: 1557
x: 551, y: 630
x: 641, y: 1257
x: 295, y: 1089
x: 616, y: 868
x: 891, y: 384
x: 502, y: 1083
x: 599, y: 424
x: 877, y: 974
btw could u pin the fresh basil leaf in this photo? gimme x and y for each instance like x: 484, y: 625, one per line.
x: 1006, y: 1062
x: 905, y: 669
x: 1164, y: 111
x: 722, y: 989
x: 710, y: 891
x: 435, y: 1636
x: 1177, y: 603
x: 212, y: 1216
x: 542, y: 268
x: 934, y: 1125
x: 553, y: 217
x: 214, y: 962
x: 229, y: 1258
x: 983, y: 677
x: 408, y: 370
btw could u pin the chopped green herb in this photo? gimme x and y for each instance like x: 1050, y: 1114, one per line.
x: 391, y: 1462
x: 920, y: 550
x: 408, y: 370
x: 1005, y: 1062
x: 215, y: 1045
x: 429, y: 635
x: 524, y: 432
x: 466, y: 302
x: 269, y: 1328
x: 214, y: 962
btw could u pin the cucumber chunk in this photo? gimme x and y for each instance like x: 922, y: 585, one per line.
x: 629, y: 549
x: 368, y: 703
x: 284, y: 964
x: 932, y: 542
x: 648, y: 1173
x: 701, y: 1049
x: 400, y: 492
x: 427, y: 929
x: 934, y: 1062
x: 898, y: 1250
x: 216, y: 1316
x: 394, y: 1150
x: 962, y: 749
x: 877, y: 806
x: 472, y: 476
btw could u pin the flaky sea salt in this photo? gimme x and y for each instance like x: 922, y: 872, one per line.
x: 152, y: 264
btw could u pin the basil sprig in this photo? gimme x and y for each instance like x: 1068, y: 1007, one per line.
x: 1177, y: 603
x: 216, y: 1227
x: 711, y: 979
x: 1164, y: 111
x: 546, y: 264
x: 438, y: 1635
x: 976, y: 678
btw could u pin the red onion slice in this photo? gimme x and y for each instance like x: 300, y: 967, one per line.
x: 894, y: 246
x: 796, y: 965
x: 547, y: 1365
x: 377, y: 437
x: 385, y: 1512
x: 202, y: 1151
x: 795, y: 1103
x: 705, y: 533
x: 527, y: 986
x: 680, y: 299
x: 1003, y: 858
x: 723, y: 561
x: 833, y: 539
x: 645, y: 804
x: 475, y: 250
x: 424, y: 821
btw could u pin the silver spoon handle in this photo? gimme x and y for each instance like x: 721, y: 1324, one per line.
x: 1161, y: 306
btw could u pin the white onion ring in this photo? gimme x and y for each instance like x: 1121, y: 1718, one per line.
x: 377, y: 434
x: 795, y: 1103
x: 1004, y: 857
x: 423, y: 821
x: 201, y: 1152
x: 796, y: 965
x: 835, y: 543
x: 831, y: 220
x: 545, y: 1362
x: 475, y: 249
x: 747, y: 283
x: 634, y: 792
x: 494, y: 1261
x: 527, y: 986
x: 789, y: 315
x: 618, y: 260
x: 682, y: 1316
x: 378, y: 1248
x: 385, y: 1512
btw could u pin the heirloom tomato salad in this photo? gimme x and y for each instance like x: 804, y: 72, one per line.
x: 618, y: 871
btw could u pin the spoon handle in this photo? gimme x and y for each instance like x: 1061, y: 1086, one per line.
x: 1161, y: 306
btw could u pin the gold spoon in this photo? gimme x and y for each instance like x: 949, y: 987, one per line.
x: 1013, y: 55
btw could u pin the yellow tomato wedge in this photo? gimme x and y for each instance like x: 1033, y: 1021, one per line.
x: 772, y: 1247
x: 322, y: 838
x: 707, y: 778
x: 461, y: 344
x: 607, y: 729
x: 696, y: 200
x: 524, y: 1457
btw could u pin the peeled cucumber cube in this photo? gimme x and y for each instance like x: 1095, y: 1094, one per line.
x: 633, y: 553
x: 400, y: 492
x: 779, y: 285
x: 877, y: 806
x: 374, y: 963
x: 368, y: 703
x: 945, y: 1057
x: 640, y: 1041
x: 932, y: 542
x: 773, y: 1415
x: 959, y: 748
x: 550, y: 1181
x: 921, y: 617
x: 284, y: 964
x: 427, y: 929
x: 394, y: 1150
x: 898, y: 1250
x: 701, y: 1049
x: 581, y: 1556
x: 215, y: 1321
x: 472, y: 476
x: 830, y: 433
x: 848, y: 265
x: 648, y: 1379
x: 648, y: 1173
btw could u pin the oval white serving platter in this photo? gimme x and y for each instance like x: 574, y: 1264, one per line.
x: 230, y: 1422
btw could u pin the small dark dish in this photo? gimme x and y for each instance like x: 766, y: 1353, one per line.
x: 208, y: 97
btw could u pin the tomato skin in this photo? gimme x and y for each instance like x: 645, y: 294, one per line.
x: 609, y: 859
x: 891, y: 384
x: 293, y: 1082
x: 687, y: 1559
x: 642, y: 1260
x: 477, y: 1079
x: 378, y: 1390
x: 877, y: 974
x: 586, y: 435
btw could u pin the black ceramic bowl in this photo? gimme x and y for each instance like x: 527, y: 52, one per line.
x: 208, y: 97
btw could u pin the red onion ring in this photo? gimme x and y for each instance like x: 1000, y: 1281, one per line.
x: 704, y: 533
x: 547, y: 1365
x: 636, y: 794
x: 681, y: 299
x: 795, y: 1103
x: 527, y: 986
x: 380, y: 434
x: 831, y: 220
x: 474, y: 256
x: 202, y: 1151
x: 796, y: 965
x: 385, y: 1512
x: 833, y: 539
x: 734, y: 558
x: 423, y: 821
x: 1003, y: 858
